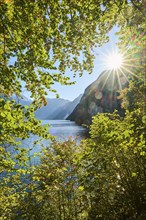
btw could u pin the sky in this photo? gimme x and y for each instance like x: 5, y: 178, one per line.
x: 73, y: 91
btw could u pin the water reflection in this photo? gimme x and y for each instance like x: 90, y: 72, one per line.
x: 61, y: 129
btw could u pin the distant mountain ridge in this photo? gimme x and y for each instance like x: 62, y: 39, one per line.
x: 23, y: 100
x: 100, y: 96
x: 66, y: 109
x: 46, y: 112
x: 56, y: 108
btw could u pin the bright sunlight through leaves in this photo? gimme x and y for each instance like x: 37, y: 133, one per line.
x: 114, y: 61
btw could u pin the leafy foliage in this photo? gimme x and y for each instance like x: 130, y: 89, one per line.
x: 40, y: 40
x: 113, y: 163
x: 57, y: 192
x: 49, y: 190
x: 104, y: 177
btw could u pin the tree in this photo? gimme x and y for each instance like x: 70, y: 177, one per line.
x: 40, y: 40
x: 114, y: 168
x: 52, y: 189
x: 44, y: 39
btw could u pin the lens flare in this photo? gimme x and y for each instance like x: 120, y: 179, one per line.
x: 122, y: 65
x: 114, y: 61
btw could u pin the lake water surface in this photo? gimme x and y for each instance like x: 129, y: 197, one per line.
x: 65, y: 129
x: 62, y: 129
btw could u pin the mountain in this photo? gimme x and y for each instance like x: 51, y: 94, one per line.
x: 45, y: 112
x: 100, y: 96
x: 23, y: 100
x: 64, y: 111
x: 55, y: 109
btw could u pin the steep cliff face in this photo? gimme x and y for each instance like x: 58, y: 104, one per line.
x: 100, y: 96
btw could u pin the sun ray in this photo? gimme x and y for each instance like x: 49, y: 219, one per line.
x: 121, y: 71
x: 127, y: 56
x: 114, y: 61
x: 117, y: 73
x: 122, y: 64
x: 113, y: 78
x: 129, y: 71
x: 109, y: 72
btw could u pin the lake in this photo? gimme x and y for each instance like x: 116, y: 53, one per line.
x: 62, y: 129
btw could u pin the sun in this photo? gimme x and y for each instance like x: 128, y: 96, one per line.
x: 117, y: 64
x: 114, y: 61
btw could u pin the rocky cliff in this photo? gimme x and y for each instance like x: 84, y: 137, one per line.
x: 100, y: 96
